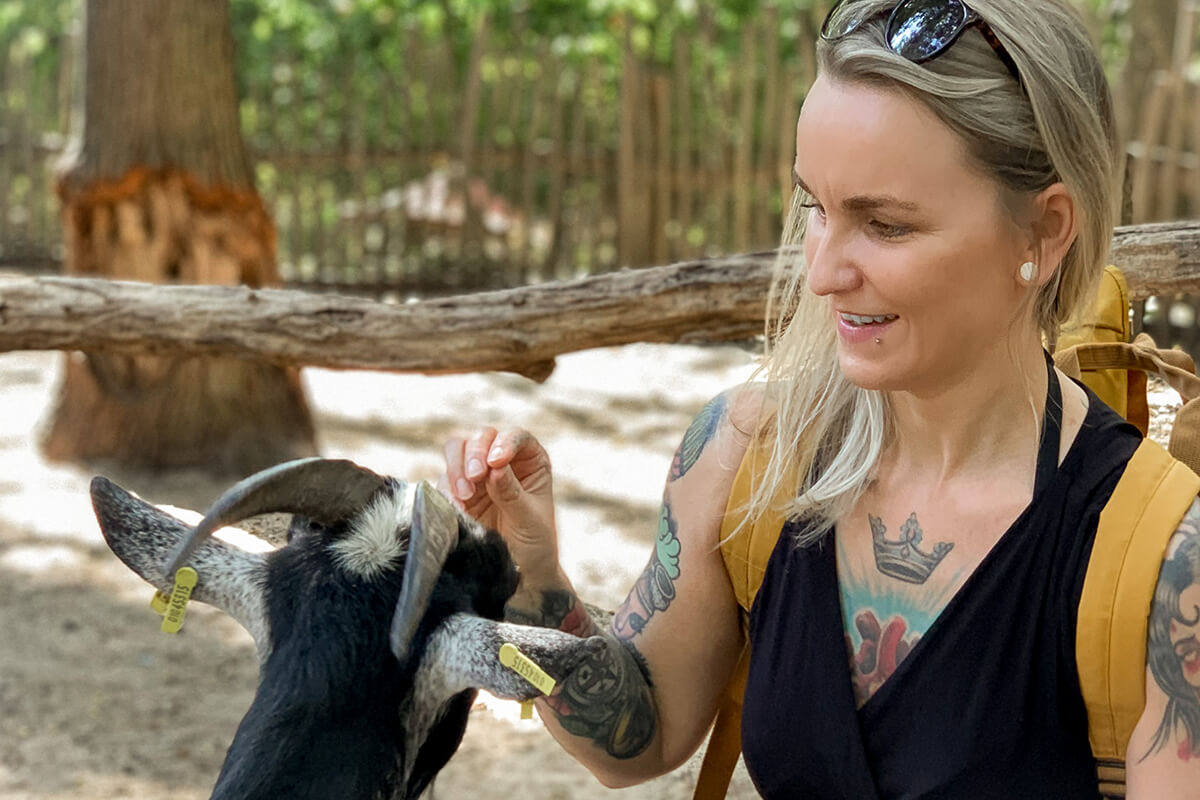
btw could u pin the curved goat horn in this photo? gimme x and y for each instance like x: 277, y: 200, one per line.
x: 325, y: 490
x: 434, y: 533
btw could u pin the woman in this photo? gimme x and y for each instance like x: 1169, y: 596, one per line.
x: 954, y: 170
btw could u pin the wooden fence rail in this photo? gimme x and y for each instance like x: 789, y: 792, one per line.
x: 518, y: 330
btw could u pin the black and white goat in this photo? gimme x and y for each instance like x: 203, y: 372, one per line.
x: 375, y: 624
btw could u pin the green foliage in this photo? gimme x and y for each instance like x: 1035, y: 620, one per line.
x: 307, y: 60
x: 32, y: 38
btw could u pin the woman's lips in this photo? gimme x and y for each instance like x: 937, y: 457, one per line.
x: 857, y: 334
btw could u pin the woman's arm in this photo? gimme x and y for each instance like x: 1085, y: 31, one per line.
x: 645, y: 702
x: 1163, y: 757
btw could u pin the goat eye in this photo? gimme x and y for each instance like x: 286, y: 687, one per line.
x: 303, y: 526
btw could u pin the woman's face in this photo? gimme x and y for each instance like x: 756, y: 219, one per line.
x: 911, y: 247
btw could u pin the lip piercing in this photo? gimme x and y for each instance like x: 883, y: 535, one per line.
x: 879, y: 341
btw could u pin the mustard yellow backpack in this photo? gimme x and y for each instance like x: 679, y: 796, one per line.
x: 1146, y: 507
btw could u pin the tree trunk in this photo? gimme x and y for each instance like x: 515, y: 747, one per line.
x: 1152, y: 37
x: 157, y: 186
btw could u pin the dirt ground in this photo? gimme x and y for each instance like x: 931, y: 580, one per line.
x: 96, y: 703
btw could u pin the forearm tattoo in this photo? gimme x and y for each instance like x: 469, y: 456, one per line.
x: 1173, y: 643
x: 655, y: 589
x: 608, y: 699
x: 555, y: 608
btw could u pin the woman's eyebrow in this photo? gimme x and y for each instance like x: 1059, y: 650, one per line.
x: 859, y: 203
x: 796, y: 181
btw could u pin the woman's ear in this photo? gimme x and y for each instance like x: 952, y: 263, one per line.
x: 1054, y: 227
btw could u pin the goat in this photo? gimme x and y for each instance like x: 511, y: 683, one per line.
x: 375, y: 624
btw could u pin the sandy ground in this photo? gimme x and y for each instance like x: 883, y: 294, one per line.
x: 96, y: 703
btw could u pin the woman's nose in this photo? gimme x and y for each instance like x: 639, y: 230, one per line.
x: 830, y: 268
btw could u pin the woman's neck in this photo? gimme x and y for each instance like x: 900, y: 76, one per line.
x: 977, y: 421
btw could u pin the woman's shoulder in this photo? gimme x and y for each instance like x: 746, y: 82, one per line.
x: 1101, y: 451
x: 1103, y: 426
x: 733, y: 418
x: 711, y: 452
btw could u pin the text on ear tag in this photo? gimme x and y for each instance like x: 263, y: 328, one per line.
x: 518, y: 662
x: 185, y: 581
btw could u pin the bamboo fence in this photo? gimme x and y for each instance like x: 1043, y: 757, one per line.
x: 531, y: 165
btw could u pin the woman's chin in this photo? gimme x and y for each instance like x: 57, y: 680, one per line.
x: 876, y: 374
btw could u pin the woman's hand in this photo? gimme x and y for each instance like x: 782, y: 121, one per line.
x: 504, y: 481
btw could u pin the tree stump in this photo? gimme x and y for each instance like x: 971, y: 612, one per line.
x: 157, y: 186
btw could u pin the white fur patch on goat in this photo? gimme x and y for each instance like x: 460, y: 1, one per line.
x: 372, y: 543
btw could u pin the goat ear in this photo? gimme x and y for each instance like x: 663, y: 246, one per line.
x: 432, y: 536
x: 464, y: 652
x: 141, y: 536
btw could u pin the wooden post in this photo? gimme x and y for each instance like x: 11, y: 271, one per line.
x: 765, y: 232
x: 633, y: 206
x: 1148, y: 133
x: 684, y: 163
x: 1171, y: 175
x: 558, y: 170
x: 469, y: 235
x: 661, y: 85
x: 743, y: 141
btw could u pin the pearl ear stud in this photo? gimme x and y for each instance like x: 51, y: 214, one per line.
x: 1028, y: 271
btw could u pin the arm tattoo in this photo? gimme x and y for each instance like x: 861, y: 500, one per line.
x: 559, y: 608
x: 1173, y: 643
x: 698, y: 434
x: 608, y: 699
x: 655, y: 589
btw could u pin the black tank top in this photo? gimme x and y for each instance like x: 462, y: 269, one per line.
x: 986, y: 705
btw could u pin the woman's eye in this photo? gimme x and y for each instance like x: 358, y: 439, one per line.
x: 815, y: 206
x: 889, y: 231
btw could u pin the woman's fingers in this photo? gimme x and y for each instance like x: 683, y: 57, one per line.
x: 489, y: 468
x: 455, y: 477
x: 516, y: 445
x: 465, y: 467
x: 475, y: 453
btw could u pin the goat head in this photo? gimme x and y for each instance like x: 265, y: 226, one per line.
x: 375, y: 624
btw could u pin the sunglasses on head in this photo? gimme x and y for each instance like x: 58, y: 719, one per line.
x: 918, y: 30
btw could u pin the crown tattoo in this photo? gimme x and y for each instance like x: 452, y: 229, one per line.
x: 903, y: 559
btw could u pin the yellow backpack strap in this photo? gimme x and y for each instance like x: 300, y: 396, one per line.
x: 746, y: 550
x: 1123, y: 391
x: 725, y: 743
x: 1146, y: 507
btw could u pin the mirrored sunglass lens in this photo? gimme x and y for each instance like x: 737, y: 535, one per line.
x: 920, y: 29
x: 844, y: 19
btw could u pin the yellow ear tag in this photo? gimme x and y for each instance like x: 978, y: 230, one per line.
x: 185, y: 580
x: 527, y: 709
x: 159, y: 602
x: 519, y: 663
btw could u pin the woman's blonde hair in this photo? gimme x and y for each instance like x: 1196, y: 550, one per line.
x: 825, y: 435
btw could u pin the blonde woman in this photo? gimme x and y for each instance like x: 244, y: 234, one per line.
x: 914, y: 633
